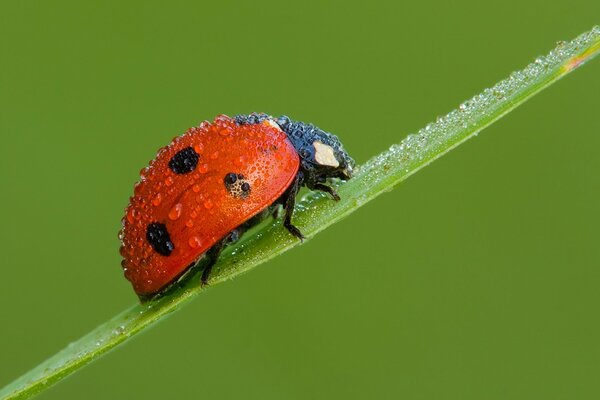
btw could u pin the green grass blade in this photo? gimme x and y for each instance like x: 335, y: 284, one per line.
x: 314, y: 213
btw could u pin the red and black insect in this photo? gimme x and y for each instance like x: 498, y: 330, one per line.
x: 212, y: 183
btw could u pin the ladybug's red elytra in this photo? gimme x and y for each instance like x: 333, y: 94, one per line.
x: 209, y: 185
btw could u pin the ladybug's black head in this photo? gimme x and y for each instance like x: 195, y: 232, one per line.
x: 322, y: 156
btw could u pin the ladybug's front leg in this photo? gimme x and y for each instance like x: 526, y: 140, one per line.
x: 327, y: 189
x: 289, y: 201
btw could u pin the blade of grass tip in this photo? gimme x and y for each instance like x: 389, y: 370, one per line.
x: 314, y: 213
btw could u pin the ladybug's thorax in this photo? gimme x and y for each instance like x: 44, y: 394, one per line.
x: 322, y: 156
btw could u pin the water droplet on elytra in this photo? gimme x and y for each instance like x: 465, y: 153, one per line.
x: 175, y: 212
x: 194, y: 242
x: 240, y: 161
x: 132, y: 215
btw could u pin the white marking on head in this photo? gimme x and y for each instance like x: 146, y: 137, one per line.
x: 324, y: 155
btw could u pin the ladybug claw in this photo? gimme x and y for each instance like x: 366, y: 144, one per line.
x: 295, y: 232
x: 327, y: 189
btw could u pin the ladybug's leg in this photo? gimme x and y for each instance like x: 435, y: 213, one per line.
x: 276, y: 211
x: 327, y: 189
x: 289, y: 201
x: 214, y: 252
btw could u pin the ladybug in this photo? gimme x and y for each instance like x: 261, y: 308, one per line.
x: 209, y: 185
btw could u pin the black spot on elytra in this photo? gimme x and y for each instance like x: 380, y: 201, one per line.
x: 184, y: 161
x: 158, y: 237
x: 230, y: 179
x: 237, y: 185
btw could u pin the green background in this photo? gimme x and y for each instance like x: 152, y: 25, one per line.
x: 476, y: 279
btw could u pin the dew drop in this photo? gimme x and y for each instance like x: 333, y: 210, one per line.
x: 196, y: 188
x: 189, y: 223
x: 157, y: 200
x: 203, y: 168
x: 195, y: 242
x: 199, y: 148
x: 208, y: 204
x: 119, y: 330
x: 241, y: 160
x: 225, y: 131
x: 175, y: 212
x: 169, y: 181
x: 132, y: 215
